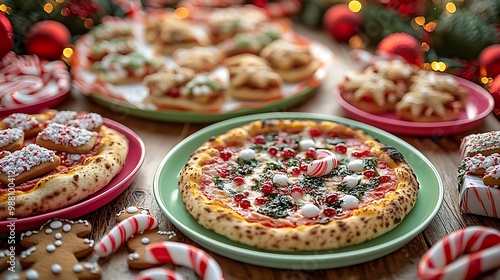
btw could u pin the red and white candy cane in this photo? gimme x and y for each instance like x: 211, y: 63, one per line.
x: 159, y: 273
x: 168, y: 252
x: 123, y: 231
x: 325, y: 163
x: 463, y: 254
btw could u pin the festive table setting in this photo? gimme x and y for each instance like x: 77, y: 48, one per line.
x: 162, y: 139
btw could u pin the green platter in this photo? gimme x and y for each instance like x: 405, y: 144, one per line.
x: 168, y: 198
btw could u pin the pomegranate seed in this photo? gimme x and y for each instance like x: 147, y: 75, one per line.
x: 296, y: 192
x: 360, y: 153
x: 384, y: 178
x: 341, y: 149
x: 239, y: 196
x: 267, y: 188
x: 261, y: 200
x: 272, y: 150
x: 223, y: 173
x: 369, y: 173
x: 311, y: 153
x: 238, y: 181
x: 174, y: 92
x: 295, y: 171
x: 315, y: 132
x: 225, y: 155
x: 332, y: 198
x: 367, y: 98
x: 329, y: 212
x: 245, y: 203
x: 288, y: 153
x: 259, y: 140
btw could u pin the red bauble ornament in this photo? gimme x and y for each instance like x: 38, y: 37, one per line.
x: 489, y: 61
x: 494, y: 89
x: 341, y: 22
x: 404, y: 45
x: 47, y: 39
x: 6, y: 35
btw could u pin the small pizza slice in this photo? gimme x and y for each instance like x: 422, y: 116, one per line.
x: 174, y: 34
x: 112, y: 30
x: 292, y: 62
x: 11, y: 139
x: 225, y: 23
x: 68, y: 139
x: 255, y: 83
x: 100, y: 49
x: 370, y: 92
x: 200, y: 59
x: 27, y: 123
x: 27, y: 163
x: 201, y: 93
x: 121, y: 69
x: 235, y: 63
x: 249, y: 42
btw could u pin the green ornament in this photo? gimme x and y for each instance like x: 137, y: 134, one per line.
x: 463, y: 35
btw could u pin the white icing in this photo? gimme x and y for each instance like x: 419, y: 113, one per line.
x: 281, y: 180
x: 56, y: 268
x: 32, y: 274
x: 349, y: 202
x: 132, y: 209
x: 86, y: 241
x: 48, y: 231
x: 133, y: 256
x: 58, y: 243
x: 145, y: 240
x: 20, y: 120
x: 9, y: 136
x: 305, y: 144
x: 247, y: 154
x: 63, y: 117
x: 356, y: 165
x: 66, y: 228
x: 89, y: 121
x: 66, y: 135
x: 144, y: 211
x: 310, y: 210
x: 55, y: 224
x: 51, y: 248
x: 78, y: 268
x: 25, y: 159
x: 58, y: 235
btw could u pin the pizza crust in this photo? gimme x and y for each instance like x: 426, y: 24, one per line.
x: 62, y: 190
x: 364, y: 224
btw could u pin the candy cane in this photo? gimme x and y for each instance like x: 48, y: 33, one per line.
x: 159, y: 273
x: 326, y: 161
x: 123, y: 231
x: 168, y: 252
x: 463, y: 254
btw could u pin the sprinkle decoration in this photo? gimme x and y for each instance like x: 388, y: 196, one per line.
x: 463, y: 254
x: 168, y: 252
x: 123, y: 231
x: 326, y: 161
x: 159, y: 273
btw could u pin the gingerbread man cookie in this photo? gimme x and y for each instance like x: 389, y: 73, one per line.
x: 137, y: 243
x: 54, y: 251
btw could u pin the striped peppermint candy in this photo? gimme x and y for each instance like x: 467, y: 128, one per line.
x: 463, y: 254
x: 159, y: 273
x: 325, y: 163
x: 123, y: 231
x: 168, y: 252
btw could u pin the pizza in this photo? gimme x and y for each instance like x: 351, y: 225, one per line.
x: 61, y: 157
x: 297, y: 185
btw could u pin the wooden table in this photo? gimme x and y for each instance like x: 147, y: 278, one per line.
x: 160, y: 137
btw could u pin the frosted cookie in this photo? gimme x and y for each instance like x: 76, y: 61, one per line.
x: 11, y: 139
x: 27, y: 163
x: 67, y: 139
x: 29, y: 124
x: 486, y: 143
x: 100, y: 49
x: 53, y: 252
x: 200, y: 59
x: 249, y: 42
x: 175, y: 34
x: 225, y: 23
x: 123, y: 69
x: 255, y: 83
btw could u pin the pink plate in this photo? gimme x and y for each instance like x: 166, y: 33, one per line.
x: 37, y: 107
x: 118, y: 184
x: 479, y: 104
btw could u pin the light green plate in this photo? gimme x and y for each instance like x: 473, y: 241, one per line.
x: 168, y: 197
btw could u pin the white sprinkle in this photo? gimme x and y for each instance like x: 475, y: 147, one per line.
x: 48, y: 231
x: 21, y: 121
x: 51, y: 248
x: 9, y: 136
x: 31, y: 274
x: 66, y: 228
x: 145, y: 240
x: 56, y: 268
x: 310, y: 210
x: 77, y: 268
x: 58, y: 243
x: 58, y: 235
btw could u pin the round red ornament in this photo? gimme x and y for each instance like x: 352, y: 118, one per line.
x: 47, y: 39
x: 489, y: 61
x: 494, y: 89
x: 404, y: 45
x: 341, y: 22
x: 6, y: 35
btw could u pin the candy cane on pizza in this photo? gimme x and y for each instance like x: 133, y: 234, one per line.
x: 159, y: 273
x: 168, y: 252
x: 123, y: 231
x: 326, y: 161
x: 463, y: 254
